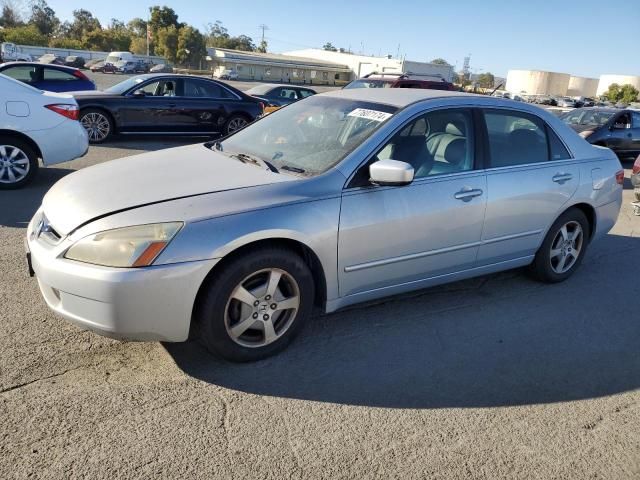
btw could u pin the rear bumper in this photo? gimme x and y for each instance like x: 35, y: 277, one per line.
x: 67, y: 141
x: 606, y: 218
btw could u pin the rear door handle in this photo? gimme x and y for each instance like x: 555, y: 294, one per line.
x: 466, y: 194
x: 562, y: 177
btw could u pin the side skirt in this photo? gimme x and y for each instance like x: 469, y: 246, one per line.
x: 333, y: 305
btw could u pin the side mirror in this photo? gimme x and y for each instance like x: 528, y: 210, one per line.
x: 390, y: 173
x: 139, y: 93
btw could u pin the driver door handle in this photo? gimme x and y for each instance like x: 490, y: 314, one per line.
x: 466, y: 194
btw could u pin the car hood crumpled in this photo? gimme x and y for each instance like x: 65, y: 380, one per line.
x: 145, y: 179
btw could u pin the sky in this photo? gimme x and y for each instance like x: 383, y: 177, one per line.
x: 579, y: 37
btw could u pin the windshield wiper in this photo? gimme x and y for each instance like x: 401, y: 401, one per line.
x: 243, y: 157
x: 292, y: 169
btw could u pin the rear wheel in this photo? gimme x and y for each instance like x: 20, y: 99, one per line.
x: 98, y: 125
x: 18, y: 163
x: 235, y: 122
x: 255, y: 305
x: 563, y: 248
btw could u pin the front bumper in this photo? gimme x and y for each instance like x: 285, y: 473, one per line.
x: 151, y: 303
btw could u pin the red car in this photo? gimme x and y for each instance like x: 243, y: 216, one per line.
x: 401, y: 80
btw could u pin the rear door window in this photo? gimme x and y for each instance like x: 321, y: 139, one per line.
x: 51, y: 74
x: 515, y: 138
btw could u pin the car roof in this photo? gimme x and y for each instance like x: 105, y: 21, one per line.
x: 39, y: 64
x: 398, y: 97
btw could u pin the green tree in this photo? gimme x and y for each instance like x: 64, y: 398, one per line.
x: 138, y: 45
x: 329, y: 47
x: 625, y: 93
x: 166, y: 43
x: 106, y: 40
x: 43, y: 17
x: 83, y: 23
x: 629, y: 94
x: 138, y: 27
x: 163, y: 17
x: 486, y: 80
x: 10, y: 15
x: 26, y: 35
x: 241, y: 42
x: 191, y: 46
x: 262, y: 48
x: 439, y: 61
x: 65, y: 42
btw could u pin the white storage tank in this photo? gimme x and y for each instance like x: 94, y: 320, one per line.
x: 582, y: 87
x: 606, y: 80
x: 537, y: 82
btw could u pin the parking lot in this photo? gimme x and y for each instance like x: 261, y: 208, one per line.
x: 494, y: 377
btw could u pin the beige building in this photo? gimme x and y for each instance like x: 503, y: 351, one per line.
x: 537, y: 82
x: 582, y: 87
x: 277, y: 68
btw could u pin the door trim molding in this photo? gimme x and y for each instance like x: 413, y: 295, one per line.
x: 455, y: 248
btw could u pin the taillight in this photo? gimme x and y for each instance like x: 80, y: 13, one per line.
x: 636, y: 166
x: 80, y: 75
x: 70, y: 111
x: 620, y: 177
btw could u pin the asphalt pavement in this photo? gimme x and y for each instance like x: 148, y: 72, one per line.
x: 494, y: 377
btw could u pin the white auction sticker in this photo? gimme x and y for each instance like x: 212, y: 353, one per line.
x: 369, y: 114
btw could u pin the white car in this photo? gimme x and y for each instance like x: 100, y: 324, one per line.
x: 36, y: 125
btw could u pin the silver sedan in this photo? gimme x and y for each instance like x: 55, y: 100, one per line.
x: 337, y: 199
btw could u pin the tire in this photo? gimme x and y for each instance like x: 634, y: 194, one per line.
x: 98, y: 125
x: 18, y: 163
x: 257, y: 326
x: 235, y: 123
x: 568, y: 246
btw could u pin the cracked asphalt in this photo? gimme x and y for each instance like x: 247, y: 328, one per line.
x: 494, y: 377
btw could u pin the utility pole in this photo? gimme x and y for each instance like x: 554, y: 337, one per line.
x: 263, y: 27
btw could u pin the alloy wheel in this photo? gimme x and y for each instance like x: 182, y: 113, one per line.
x: 97, y: 126
x: 262, y: 307
x: 14, y: 164
x: 566, y: 247
x: 236, y: 124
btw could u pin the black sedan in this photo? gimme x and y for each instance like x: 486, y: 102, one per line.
x: 616, y: 129
x: 160, y: 104
x: 280, y: 95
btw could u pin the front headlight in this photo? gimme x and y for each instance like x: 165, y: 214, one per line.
x: 124, y: 247
x: 585, y: 133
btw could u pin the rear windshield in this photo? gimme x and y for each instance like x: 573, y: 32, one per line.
x: 369, y: 83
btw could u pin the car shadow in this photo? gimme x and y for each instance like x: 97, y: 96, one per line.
x: 17, y: 207
x: 498, y: 340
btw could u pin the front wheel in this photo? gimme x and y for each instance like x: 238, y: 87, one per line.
x: 18, y: 163
x: 254, y: 306
x: 563, y: 248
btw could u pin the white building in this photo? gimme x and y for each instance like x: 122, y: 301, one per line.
x: 582, y: 87
x: 537, y: 82
x: 361, y: 65
x: 607, y: 80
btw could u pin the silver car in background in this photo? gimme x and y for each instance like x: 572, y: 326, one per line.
x: 337, y: 199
